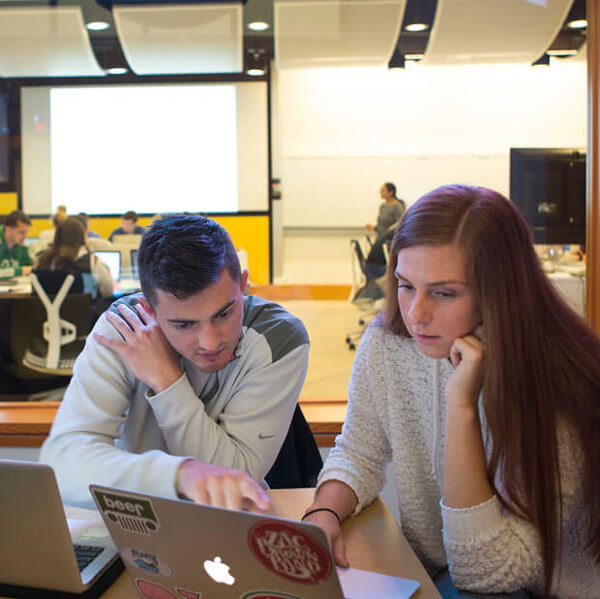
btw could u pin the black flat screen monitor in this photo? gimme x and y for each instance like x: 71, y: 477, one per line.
x: 548, y: 186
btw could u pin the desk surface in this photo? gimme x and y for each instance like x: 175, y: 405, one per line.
x: 27, y: 424
x: 374, y: 542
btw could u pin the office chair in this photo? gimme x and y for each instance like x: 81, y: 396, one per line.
x: 369, y: 306
x: 50, y: 346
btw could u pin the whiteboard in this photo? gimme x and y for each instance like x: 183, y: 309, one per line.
x: 344, y: 191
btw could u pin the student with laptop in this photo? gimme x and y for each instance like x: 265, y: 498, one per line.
x: 186, y: 390
x: 70, y: 253
x: 128, y: 226
x: 482, y: 387
x: 14, y: 255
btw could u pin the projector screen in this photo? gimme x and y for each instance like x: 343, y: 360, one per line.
x: 149, y: 148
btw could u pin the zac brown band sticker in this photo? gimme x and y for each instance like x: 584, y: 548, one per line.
x: 289, y: 552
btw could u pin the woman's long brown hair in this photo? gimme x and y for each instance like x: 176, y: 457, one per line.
x: 68, y: 239
x: 542, y: 363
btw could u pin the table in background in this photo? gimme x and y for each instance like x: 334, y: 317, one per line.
x: 27, y: 424
x: 373, y: 542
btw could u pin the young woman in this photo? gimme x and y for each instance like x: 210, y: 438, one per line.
x: 70, y: 254
x: 482, y: 387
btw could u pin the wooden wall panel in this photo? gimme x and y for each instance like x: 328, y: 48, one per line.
x: 593, y: 166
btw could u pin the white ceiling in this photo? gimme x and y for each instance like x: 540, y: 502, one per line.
x: 181, y: 39
x: 484, y: 31
x: 48, y: 41
x: 208, y: 38
x: 336, y: 32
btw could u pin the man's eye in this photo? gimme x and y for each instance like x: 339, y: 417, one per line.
x: 181, y: 326
x: 223, y: 315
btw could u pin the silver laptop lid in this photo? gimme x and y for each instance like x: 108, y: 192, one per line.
x: 174, y: 548
x: 36, y: 547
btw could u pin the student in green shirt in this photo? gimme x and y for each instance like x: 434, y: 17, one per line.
x: 13, y: 254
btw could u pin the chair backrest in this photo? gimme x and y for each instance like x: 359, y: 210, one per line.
x: 45, y: 339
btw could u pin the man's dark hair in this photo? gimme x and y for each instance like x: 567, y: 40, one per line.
x: 184, y: 254
x: 16, y: 217
x: 130, y: 215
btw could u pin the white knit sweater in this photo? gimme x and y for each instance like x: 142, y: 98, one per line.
x: 396, y: 412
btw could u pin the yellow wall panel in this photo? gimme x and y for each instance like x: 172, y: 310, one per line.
x: 250, y: 233
x: 8, y: 202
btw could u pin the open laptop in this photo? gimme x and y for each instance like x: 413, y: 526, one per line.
x: 124, y: 279
x: 112, y: 259
x: 39, y: 557
x: 178, y: 549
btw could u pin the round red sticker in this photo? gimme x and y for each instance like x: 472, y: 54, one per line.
x: 289, y: 552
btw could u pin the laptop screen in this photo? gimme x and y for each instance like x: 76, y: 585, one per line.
x: 113, y: 261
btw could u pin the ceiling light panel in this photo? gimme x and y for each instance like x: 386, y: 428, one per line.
x: 486, y: 31
x: 45, y: 42
x: 314, y: 33
x: 181, y: 39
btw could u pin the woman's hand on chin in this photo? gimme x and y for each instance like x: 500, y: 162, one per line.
x: 466, y: 355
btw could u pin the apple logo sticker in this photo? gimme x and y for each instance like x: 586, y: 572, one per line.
x: 218, y: 571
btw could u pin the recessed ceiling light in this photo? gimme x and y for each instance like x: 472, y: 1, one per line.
x: 97, y: 25
x: 255, y: 72
x: 414, y: 56
x: 577, y: 24
x: 258, y: 25
x: 116, y: 71
x: 416, y: 27
x: 561, y: 52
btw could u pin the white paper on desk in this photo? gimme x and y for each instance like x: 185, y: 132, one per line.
x: 86, y: 525
x: 360, y: 584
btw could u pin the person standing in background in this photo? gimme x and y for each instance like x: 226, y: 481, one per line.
x: 390, y: 213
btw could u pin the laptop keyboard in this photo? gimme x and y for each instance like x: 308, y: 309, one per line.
x: 85, y: 554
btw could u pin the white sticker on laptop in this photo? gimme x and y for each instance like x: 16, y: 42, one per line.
x: 133, y: 514
x: 146, y: 561
x: 289, y: 552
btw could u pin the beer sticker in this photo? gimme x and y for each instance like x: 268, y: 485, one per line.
x: 133, y: 514
x: 289, y: 552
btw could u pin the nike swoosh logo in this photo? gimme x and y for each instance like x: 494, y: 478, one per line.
x: 261, y: 436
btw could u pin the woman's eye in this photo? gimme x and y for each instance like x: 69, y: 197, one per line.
x: 404, y: 286
x: 444, y: 294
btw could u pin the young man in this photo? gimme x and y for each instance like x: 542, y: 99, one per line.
x: 187, y: 390
x: 128, y: 226
x: 13, y: 254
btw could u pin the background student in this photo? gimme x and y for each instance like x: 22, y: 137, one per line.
x: 69, y: 254
x: 128, y: 226
x: 13, y: 254
x: 482, y: 387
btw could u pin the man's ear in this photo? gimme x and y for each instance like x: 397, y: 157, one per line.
x: 146, y: 305
x: 244, y: 280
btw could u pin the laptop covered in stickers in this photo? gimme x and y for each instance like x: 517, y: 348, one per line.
x: 42, y: 554
x: 176, y: 549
